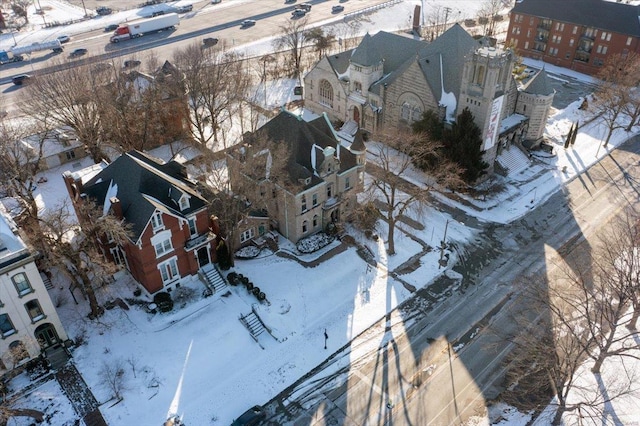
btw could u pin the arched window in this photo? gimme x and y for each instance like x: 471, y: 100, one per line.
x: 410, y: 113
x: 315, y: 220
x: 18, y: 352
x: 326, y: 93
x: 478, y: 78
x: 305, y: 226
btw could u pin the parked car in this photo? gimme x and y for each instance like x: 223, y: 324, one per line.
x: 216, y: 1
x: 78, y: 52
x: 184, y: 9
x: 111, y: 27
x: 247, y: 23
x: 253, y: 416
x: 103, y: 10
x: 21, y: 79
x: 209, y: 41
x: 337, y: 9
x: 289, y: 1
x: 131, y: 63
x: 64, y: 39
x: 298, y: 13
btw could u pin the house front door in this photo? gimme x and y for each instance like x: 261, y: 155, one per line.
x: 356, y: 115
x: 203, y: 256
x: 46, y: 336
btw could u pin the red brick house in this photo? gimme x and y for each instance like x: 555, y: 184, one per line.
x: 172, y: 235
x: 579, y: 35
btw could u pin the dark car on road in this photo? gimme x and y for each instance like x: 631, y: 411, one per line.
x: 111, y: 27
x: 247, y: 23
x: 298, y: 13
x: 64, y: 39
x: 21, y: 79
x: 337, y: 8
x: 304, y: 6
x: 209, y: 42
x: 103, y: 10
x: 78, y: 52
x: 252, y: 417
x: 131, y: 63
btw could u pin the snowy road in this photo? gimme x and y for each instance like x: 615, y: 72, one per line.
x: 436, y: 363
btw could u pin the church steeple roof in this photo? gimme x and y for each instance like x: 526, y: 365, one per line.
x: 358, y: 142
x: 366, y: 54
x: 539, y: 84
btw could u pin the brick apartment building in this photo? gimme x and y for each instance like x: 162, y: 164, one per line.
x: 579, y: 35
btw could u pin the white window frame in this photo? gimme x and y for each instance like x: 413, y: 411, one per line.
x: 193, y: 228
x: 156, y: 221
x: 246, y: 235
x: 163, y: 247
x: 169, y: 271
x: 183, y: 202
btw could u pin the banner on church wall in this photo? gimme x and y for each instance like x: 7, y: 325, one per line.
x: 494, y: 120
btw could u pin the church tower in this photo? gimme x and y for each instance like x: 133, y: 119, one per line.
x: 486, y: 80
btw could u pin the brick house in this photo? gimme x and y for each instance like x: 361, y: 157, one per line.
x: 172, y: 235
x: 29, y: 323
x: 323, y: 176
x: 389, y: 80
x: 579, y: 35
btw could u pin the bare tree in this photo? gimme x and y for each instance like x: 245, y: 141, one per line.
x: 617, y: 288
x: 616, y: 95
x: 75, y: 250
x: 113, y: 377
x: 548, y: 353
x: 216, y: 84
x: 70, y: 97
x: 257, y: 172
x: 22, y: 145
x: 488, y: 12
x: 293, y: 38
x: 396, y: 154
x: 321, y: 40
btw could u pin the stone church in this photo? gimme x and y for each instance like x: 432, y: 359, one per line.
x: 389, y: 80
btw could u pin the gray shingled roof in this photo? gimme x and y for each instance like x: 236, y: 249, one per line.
x: 366, y: 54
x: 607, y: 15
x: 539, y: 84
x: 140, y: 180
x: 394, y: 49
x: 452, y: 46
x: 300, y: 136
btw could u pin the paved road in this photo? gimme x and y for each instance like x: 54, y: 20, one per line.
x: 433, y: 360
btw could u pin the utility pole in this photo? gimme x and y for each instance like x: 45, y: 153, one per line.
x: 443, y: 245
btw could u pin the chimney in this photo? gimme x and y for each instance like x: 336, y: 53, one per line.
x: 74, y: 186
x: 116, y: 207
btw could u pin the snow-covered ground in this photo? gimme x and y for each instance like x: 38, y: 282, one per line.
x: 200, y: 363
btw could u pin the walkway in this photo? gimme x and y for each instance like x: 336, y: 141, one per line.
x: 80, y: 396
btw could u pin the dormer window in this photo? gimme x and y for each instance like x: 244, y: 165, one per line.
x: 183, y: 202
x: 156, y: 221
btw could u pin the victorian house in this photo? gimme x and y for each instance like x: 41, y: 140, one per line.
x: 317, y: 188
x: 389, y: 80
x: 29, y: 323
x: 172, y: 235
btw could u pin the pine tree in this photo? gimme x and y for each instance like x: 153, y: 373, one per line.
x: 463, y: 145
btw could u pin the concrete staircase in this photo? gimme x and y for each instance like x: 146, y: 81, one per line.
x: 213, y: 279
x: 47, y: 282
x: 57, y: 357
x: 513, y: 160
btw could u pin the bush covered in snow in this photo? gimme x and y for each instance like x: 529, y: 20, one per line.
x: 248, y: 252
x: 314, y: 242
